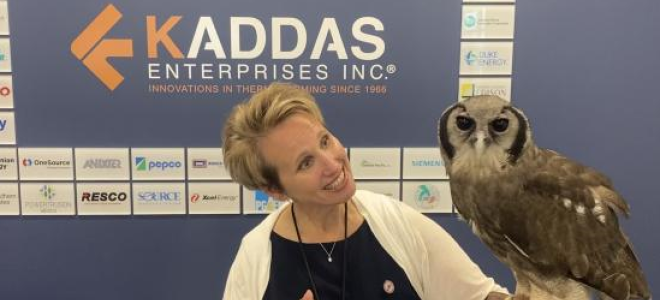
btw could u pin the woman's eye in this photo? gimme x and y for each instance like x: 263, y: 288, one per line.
x: 305, y: 164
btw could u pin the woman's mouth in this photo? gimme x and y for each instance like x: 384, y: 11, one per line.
x: 338, y: 182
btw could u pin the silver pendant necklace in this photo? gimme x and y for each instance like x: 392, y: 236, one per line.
x: 331, y: 250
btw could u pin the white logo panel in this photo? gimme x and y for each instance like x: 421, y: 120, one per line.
x: 47, y: 199
x: 206, y: 164
x: 104, y: 198
x: 487, y: 58
x: 469, y: 87
x: 9, y: 204
x: 45, y: 163
x: 8, y: 164
x: 102, y: 164
x: 428, y: 196
x: 7, y: 128
x: 488, y: 21
x: 376, y: 163
x: 214, y: 198
x: 423, y: 163
x: 4, y: 18
x: 6, y: 92
x: 258, y: 202
x: 158, y: 164
x: 159, y: 198
x: 387, y: 188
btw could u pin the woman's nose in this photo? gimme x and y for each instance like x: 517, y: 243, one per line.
x: 331, y: 164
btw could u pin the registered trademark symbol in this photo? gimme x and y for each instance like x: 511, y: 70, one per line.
x: 391, y: 69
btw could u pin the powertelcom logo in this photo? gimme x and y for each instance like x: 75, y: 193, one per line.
x: 93, y: 50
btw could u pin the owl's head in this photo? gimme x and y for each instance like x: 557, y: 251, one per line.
x: 483, y: 131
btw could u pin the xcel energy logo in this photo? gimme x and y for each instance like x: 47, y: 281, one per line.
x: 93, y: 50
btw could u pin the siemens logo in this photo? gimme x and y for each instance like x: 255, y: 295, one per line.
x: 103, y: 197
x: 427, y: 163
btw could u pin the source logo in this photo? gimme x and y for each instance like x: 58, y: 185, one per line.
x: 93, y: 50
x: 27, y: 162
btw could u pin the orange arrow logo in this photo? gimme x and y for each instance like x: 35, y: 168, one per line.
x: 90, y: 43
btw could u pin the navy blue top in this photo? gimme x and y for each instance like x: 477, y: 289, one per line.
x: 369, y: 267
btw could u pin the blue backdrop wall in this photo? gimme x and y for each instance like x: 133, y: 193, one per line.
x: 584, y: 72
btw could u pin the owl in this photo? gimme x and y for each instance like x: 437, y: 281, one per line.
x: 550, y: 219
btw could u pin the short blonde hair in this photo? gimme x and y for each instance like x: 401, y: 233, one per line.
x: 252, y: 120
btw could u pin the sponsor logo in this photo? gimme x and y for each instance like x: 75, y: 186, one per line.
x: 142, y: 164
x: 160, y: 196
x: 203, y: 163
x: 6, y: 199
x: 93, y: 50
x: 264, y: 203
x: 248, y: 39
x: 97, y: 163
x: 5, y: 162
x: 471, y: 89
x: 47, y: 192
x: 427, y: 196
x: 470, y: 20
x: 200, y: 163
x: 484, y: 59
x: 470, y: 58
x: 5, y: 91
x: 103, y: 197
x: 194, y: 198
x: 48, y: 163
x: 370, y: 164
x: 427, y: 163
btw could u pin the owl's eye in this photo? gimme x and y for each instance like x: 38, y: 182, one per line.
x: 464, y: 123
x: 499, y: 125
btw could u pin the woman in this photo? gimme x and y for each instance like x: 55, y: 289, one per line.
x: 330, y: 242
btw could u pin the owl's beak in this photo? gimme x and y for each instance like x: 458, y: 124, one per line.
x: 480, y: 141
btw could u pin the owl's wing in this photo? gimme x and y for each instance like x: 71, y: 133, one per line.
x: 564, y: 221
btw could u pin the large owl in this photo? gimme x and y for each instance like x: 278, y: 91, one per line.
x: 552, y: 220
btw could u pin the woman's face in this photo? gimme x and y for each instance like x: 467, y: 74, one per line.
x: 311, y: 163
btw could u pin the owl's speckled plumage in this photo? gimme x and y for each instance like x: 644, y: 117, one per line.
x: 551, y: 220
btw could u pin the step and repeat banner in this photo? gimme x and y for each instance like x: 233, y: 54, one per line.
x: 116, y: 108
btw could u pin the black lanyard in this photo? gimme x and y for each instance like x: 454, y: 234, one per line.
x: 302, y: 251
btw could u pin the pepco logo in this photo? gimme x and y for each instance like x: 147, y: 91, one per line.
x: 94, y: 50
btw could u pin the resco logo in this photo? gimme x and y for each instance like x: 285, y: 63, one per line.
x: 94, y: 51
x: 103, y: 197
